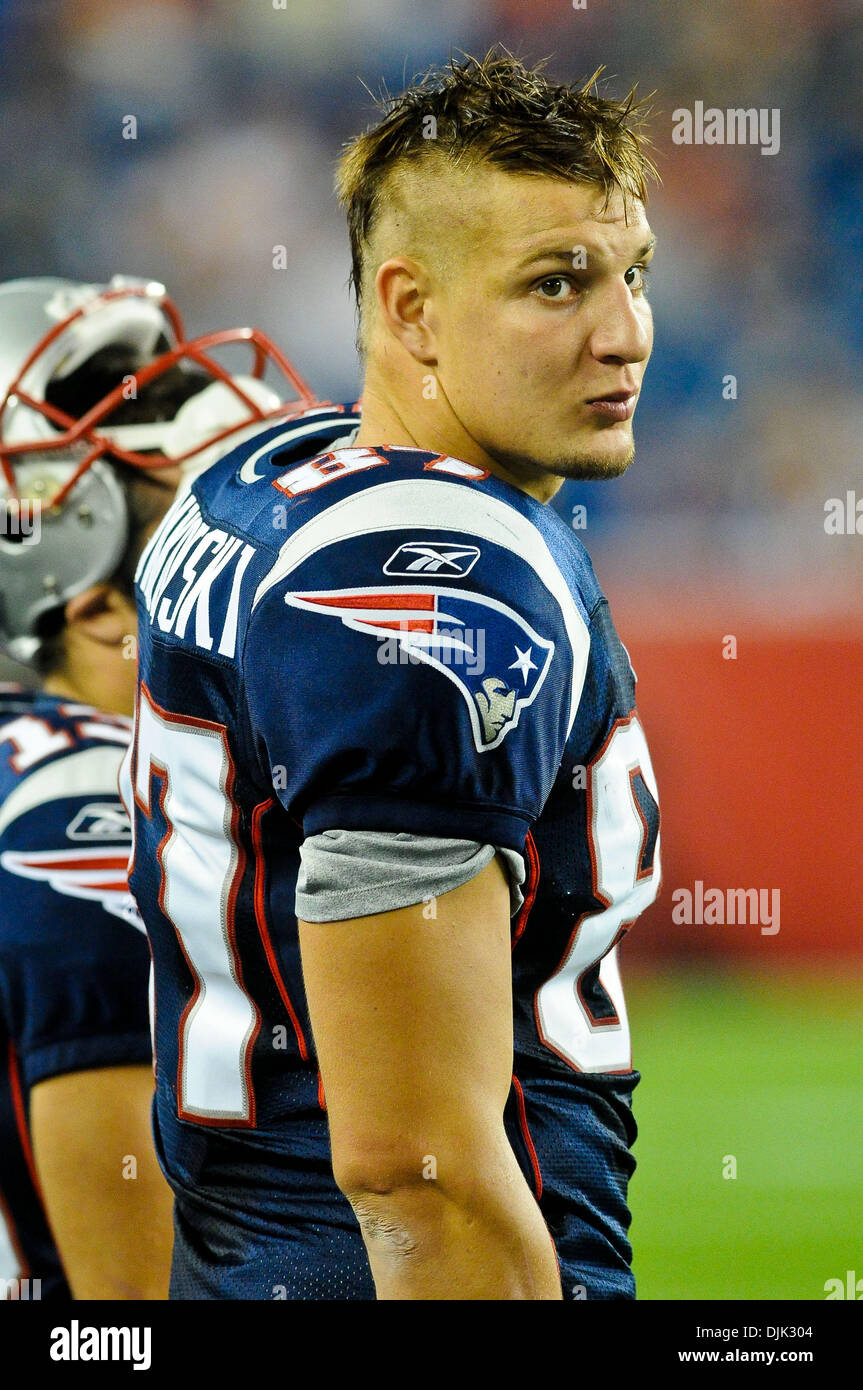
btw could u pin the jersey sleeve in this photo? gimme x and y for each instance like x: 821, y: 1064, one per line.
x: 74, y: 962
x: 415, y: 668
x: 354, y: 873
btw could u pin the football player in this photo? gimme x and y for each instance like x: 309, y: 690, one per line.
x: 102, y: 402
x: 394, y: 809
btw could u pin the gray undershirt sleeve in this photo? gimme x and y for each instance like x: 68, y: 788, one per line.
x: 355, y: 873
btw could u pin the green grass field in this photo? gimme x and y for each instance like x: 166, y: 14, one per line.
x: 769, y: 1071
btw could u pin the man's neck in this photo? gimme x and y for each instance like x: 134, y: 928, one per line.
x: 105, y: 694
x: 386, y: 423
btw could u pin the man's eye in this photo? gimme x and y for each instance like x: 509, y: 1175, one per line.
x: 555, y: 286
x: 640, y: 272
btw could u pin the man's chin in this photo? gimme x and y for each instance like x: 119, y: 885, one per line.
x: 596, y: 464
x: 596, y: 458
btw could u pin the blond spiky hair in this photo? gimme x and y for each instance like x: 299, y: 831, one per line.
x: 497, y: 111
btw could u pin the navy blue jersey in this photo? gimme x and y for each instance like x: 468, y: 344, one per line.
x: 74, y: 961
x: 392, y: 640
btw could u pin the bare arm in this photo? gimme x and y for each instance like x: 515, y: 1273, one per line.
x: 114, y: 1232
x: 412, y: 1018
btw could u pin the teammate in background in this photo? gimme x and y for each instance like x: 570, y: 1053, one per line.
x: 101, y: 401
x: 394, y: 809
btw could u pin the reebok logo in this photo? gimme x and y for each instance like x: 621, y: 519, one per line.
x: 433, y: 557
x: 101, y: 820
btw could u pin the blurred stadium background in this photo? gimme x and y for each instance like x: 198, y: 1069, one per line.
x: 749, y: 1043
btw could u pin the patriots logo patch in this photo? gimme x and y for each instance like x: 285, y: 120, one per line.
x: 489, y: 651
x: 96, y: 875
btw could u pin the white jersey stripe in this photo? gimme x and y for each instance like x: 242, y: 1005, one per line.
x: 92, y: 772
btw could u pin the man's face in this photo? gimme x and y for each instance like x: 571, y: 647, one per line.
x: 540, y: 316
x: 149, y: 494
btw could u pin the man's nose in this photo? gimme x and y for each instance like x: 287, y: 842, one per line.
x: 623, y: 328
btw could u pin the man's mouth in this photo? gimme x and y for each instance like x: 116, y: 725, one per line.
x: 615, y: 405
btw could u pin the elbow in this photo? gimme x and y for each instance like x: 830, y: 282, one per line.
x: 400, y: 1196
x: 372, y: 1173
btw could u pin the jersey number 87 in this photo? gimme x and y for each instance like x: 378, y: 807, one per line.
x: 202, y: 863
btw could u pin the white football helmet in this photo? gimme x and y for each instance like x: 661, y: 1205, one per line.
x: 64, y: 518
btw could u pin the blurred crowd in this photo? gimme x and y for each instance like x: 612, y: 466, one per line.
x: 242, y: 105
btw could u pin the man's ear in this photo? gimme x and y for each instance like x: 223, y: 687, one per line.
x: 402, y: 287
x: 101, y: 614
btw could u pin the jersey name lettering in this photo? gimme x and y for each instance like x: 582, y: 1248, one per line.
x: 188, y: 547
